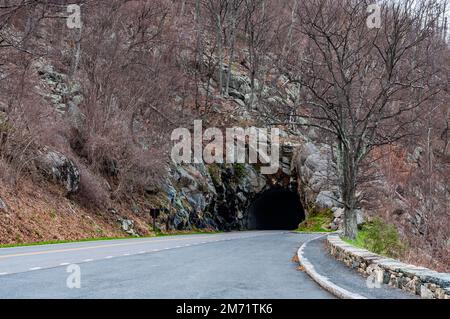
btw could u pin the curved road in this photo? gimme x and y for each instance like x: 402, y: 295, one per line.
x: 228, y: 265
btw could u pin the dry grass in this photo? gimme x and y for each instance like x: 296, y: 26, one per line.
x: 40, y: 213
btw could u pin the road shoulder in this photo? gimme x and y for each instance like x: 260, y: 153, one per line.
x: 337, y: 278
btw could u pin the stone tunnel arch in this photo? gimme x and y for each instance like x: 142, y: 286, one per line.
x: 277, y: 208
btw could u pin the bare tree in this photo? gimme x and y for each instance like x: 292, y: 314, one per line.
x: 234, y: 17
x: 362, y: 85
x: 257, y: 20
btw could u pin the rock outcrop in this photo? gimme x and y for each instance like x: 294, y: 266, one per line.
x: 62, y: 92
x: 218, y: 196
x: 3, y: 206
x: 59, y: 168
x: 210, y: 196
x: 127, y: 226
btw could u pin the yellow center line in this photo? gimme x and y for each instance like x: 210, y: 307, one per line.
x: 97, y: 247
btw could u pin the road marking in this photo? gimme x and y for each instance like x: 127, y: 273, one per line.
x: 3, y: 273
x: 98, y: 247
x: 108, y: 257
x: 141, y: 252
x: 155, y: 250
x: 322, y: 280
x: 64, y: 264
x: 88, y: 260
x: 36, y: 268
x: 126, y: 254
x: 178, y: 246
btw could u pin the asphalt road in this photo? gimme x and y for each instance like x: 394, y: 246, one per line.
x: 229, y: 265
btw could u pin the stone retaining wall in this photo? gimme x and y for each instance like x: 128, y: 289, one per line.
x: 418, y: 280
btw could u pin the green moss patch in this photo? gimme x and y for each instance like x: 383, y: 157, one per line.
x: 317, y: 221
x: 380, y: 238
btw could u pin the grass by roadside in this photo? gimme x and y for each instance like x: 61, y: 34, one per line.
x: 158, y: 234
x: 317, y: 222
x: 380, y: 238
x: 181, y: 232
x: 52, y: 242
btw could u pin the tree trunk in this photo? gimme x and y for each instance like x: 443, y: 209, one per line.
x: 348, y: 190
x: 199, y: 53
x: 350, y: 223
x: 76, y: 54
x: 232, y: 47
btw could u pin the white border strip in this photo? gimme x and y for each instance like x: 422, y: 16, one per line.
x: 323, y: 281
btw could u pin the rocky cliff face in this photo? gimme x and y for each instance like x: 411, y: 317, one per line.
x: 216, y: 196
x: 219, y: 196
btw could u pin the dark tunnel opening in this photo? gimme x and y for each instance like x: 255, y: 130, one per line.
x: 276, y: 209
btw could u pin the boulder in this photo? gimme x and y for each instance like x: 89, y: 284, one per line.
x: 338, y: 212
x: 3, y: 206
x: 416, y: 156
x: 60, y: 169
x: 197, y: 201
x: 181, y: 220
x: 185, y: 179
x: 257, y: 181
x: 127, y: 226
x: 334, y: 226
x: 236, y: 94
x: 292, y: 91
x: 308, y: 149
x: 326, y: 199
x: 426, y: 293
x: 241, y: 103
x: 316, y: 162
x: 318, y: 180
x: 360, y: 217
x: 75, y: 116
x: 2, y: 117
x: 249, y: 96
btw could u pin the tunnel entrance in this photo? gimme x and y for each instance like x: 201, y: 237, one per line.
x: 276, y: 209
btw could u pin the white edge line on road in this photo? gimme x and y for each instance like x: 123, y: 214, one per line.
x: 64, y: 264
x: 108, y: 257
x: 100, y: 246
x: 35, y: 268
x: 126, y: 254
x: 3, y: 273
x: 323, y: 281
x: 88, y: 260
x: 141, y: 252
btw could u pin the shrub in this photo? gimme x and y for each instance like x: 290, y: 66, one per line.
x: 381, y: 238
x: 215, y: 173
x: 92, y: 192
x: 317, y: 221
x: 239, y: 171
